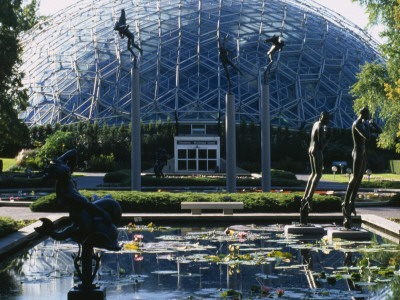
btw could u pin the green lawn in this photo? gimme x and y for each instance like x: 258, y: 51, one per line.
x: 8, y: 162
x: 374, y: 177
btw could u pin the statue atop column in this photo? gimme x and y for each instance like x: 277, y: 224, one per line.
x: 224, y: 56
x: 361, y: 131
x: 123, y: 31
x: 319, y: 140
x: 277, y: 45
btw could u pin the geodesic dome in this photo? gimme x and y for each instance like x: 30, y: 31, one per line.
x: 78, y: 68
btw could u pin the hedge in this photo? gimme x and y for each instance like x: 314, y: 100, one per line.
x: 386, y: 184
x: 279, y: 178
x: 395, y: 200
x: 24, y: 182
x: 7, y: 226
x: 163, y: 202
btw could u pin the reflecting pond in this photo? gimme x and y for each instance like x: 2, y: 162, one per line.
x: 252, y: 262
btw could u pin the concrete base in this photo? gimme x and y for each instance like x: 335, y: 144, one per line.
x: 349, y: 234
x: 302, y: 229
x: 98, y: 293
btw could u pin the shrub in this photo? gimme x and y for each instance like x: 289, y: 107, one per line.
x: 395, y: 200
x: 57, y: 144
x: 279, y: 178
x: 29, y: 159
x: 102, y: 163
x: 132, y: 201
x: 7, y: 226
x: 117, y: 176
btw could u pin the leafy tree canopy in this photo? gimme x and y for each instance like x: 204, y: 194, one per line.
x: 13, y: 97
x: 378, y: 83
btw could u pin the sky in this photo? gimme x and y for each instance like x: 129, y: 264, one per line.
x: 352, y: 11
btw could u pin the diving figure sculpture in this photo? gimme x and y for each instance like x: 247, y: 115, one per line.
x: 223, y: 54
x: 319, y: 140
x: 123, y: 30
x: 361, y: 131
x: 277, y: 45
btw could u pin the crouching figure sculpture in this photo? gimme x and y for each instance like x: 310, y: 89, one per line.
x: 94, y: 224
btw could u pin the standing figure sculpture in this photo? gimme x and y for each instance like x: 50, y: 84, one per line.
x: 277, y: 44
x: 123, y: 30
x: 361, y: 131
x: 319, y: 140
x: 161, y: 161
x: 94, y: 224
x: 223, y: 54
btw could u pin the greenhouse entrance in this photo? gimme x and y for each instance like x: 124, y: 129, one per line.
x: 197, y: 154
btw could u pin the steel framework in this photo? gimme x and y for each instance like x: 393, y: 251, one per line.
x: 77, y: 68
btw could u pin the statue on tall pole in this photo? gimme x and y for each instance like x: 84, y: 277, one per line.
x: 361, y: 131
x: 123, y: 31
x: 319, y: 140
x: 277, y: 45
x: 224, y: 56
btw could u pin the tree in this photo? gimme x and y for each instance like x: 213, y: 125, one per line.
x: 378, y: 83
x: 13, y: 97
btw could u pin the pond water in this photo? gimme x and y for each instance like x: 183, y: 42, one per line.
x: 211, y: 263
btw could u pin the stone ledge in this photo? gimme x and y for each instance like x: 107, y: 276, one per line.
x: 381, y: 223
x: 27, y: 236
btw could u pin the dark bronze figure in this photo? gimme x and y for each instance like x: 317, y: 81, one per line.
x: 93, y: 223
x: 224, y: 56
x: 161, y: 161
x: 277, y: 45
x: 123, y: 30
x: 361, y: 131
x: 319, y: 140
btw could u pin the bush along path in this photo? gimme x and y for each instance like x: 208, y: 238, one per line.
x: 163, y: 202
x: 279, y: 178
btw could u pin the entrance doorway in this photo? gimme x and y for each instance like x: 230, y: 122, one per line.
x: 195, y: 154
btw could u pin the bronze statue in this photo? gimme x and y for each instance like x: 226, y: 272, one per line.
x: 223, y: 54
x: 277, y: 45
x: 361, y: 131
x: 93, y: 223
x: 319, y: 140
x: 161, y: 161
x: 123, y: 30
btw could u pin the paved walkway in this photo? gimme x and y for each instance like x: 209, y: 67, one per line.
x: 89, y: 180
x: 324, y: 184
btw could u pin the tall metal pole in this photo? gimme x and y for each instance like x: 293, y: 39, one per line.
x: 265, y: 138
x: 136, y: 184
x: 230, y: 133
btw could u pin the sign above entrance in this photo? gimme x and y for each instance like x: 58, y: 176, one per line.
x: 197, y: 142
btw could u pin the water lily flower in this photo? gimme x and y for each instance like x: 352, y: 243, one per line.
x: 280, y: 292
x: 265, y: 290
x: 242, y: 240
x: 138, y: 258
x: 138, y: 237
x: 242, y: 234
